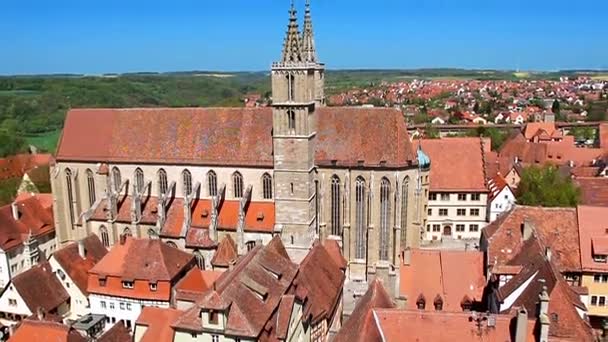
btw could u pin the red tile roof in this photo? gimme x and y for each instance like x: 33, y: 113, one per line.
x: 149, y: 212
x: 496, y: 185
x: 457, y: 164
x: 39, y: 287
x: 118, y: 333
x: 555, y: 227
x: 439, y: 326
x: 158, y: 321
x: 361, y: 326
x: 594, y: 191
x: 34, y: 330
x: 434, y: 273
x: 226, y: 253
x: 592, y: 230
x: 35, y: 216
x: 319, y: 284
x: 533, y: 129
x: 75, y: 266
x: 603, y: 135
x: 239, y: 136
x: 250, y: 292
x: 16, y: 166
x: 195, y: 283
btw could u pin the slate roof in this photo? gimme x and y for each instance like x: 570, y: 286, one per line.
x: 457, y: 164
x: 229, y: 136
x: 361, y: 326
x: 555, y: 227
x: 39, y: 287
x: 75, y: 266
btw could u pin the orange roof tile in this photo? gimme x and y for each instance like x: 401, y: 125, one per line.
x: 457, y: 164
x: 226, y: 253
x: 75, y: 266
x: 594, y: 190
x: 158, y: 321
x: 593, y: 236
x: 34, y: 330
x: 35, y: 216
x: 195, y: 283
x: 16, y: 166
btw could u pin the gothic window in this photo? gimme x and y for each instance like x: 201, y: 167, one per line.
x: 105, y: 238
x: 291, y: 119
x: 163, y: 184
x: 187, y: 182
x: 267, y: 185
x: 237, y: 185
x: 91, y: 186
x: 212, y: 183
x: 127, y: 232
x: 291, y: 88
x: 336, y: 201
x: 70, y: 188
x: 404, y: 203
x: 139, y: 180
x: 385, y: 209
x: 116, y: 178
x: 200, y: 260
x: 360, y: 218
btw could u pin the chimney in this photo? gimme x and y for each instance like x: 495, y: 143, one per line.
x: 81, y: 250
x: 40, y: 314
x: 123, y: 239
x: 543, y: 315
x: 571, y: 163
x: 548, y: 253
x: 527, y: 228
x: 15, y: 210
x: 521, y: 327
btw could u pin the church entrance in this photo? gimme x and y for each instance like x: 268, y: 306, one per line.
x: 447, y: 231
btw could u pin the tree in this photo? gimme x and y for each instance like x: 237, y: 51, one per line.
x: 555, y: 107
x: 545, y: 186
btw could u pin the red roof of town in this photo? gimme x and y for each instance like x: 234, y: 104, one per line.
x: 16, y: 166
x: 158, y: 323
x: 39, y: 287
x: 35, y: 217
x: 496, y: 185
x: 432, y: 273
x: 226, y: 252
x: 75, y: 266
x: 593, y: 235
x: 239, y: 136
x: 457, y: 164
x: 361, y: 326
x: 34, y: 330
x: 438, y: 326
x: 533, y: 129
x: 555, y: 227
x: 603, y: 135
x: 594, y: 190
x: 195, y: 283
x: 117, y: 333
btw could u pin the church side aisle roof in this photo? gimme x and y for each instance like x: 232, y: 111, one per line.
x: 230, y: 136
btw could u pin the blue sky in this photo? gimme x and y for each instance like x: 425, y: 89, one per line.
x: 99, y: 36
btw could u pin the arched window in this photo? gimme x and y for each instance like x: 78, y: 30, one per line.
x: 212, y: 183
x: 237, y: 185
x: 291, y: 88
x: 91, y: 186
x: 291, y: 121
x: 163, y: 184
x: 152, y: 234
x: 171, y: 243
x: 127, y: 232
x: 139, y: 180
x: 336, y: 203
x: 105, y: 238
x: 70, y: 189
x: 187, y: 182
x: 404, y: 204
x: 385, y: 214
x: 267, y: 186
x: 200, y: 260
x: 116, y: 178
x: 360, y: 218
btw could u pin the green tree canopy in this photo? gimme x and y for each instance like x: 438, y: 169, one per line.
x: 545, y: 186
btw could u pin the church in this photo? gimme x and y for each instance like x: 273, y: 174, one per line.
x: 298, y: 169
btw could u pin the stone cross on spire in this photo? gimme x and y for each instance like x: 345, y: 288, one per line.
x: 292, y: 46
x: 308, y: 39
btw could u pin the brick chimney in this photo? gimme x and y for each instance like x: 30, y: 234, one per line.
x: 81, y: 249
x: 543, y: 315
x: 15, y: 211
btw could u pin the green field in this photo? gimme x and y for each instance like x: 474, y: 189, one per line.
x: 46, y: 142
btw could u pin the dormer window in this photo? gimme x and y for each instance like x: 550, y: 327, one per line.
x: 438, y: 303
x: 421, y: 302
x: 214, y: 317
x: 153, y: 286
x: 102, y: 282
x: 60, y: 274
x: 127, y: 284
x: 600, y: 258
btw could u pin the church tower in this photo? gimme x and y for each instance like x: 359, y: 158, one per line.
x: 297, y: 92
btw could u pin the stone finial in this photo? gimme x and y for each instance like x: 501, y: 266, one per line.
x: 292, y: 46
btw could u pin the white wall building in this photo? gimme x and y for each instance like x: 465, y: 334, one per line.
x: 501, y: 198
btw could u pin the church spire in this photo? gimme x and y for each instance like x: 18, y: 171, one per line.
x: 292, y: 46
x: 308, y: 39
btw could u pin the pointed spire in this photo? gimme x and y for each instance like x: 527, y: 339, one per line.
x: 308, y: 37
x: 292, y: 45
